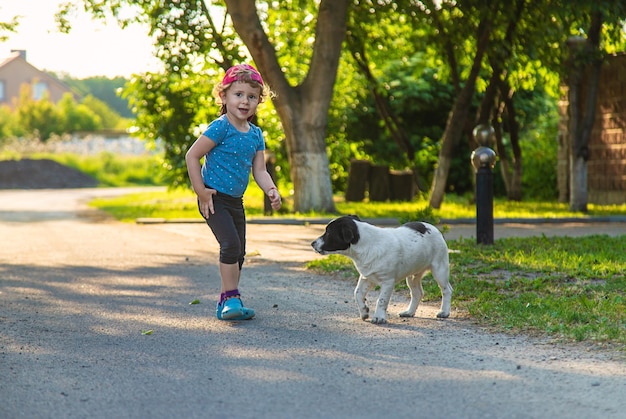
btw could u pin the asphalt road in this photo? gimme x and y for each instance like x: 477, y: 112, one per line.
x: 77, y: 290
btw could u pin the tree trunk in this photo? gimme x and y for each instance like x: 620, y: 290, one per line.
x: 497, y: 99
x: 576, y: 188
x: 514, y: 192
x: 581, y: 119
x: 503, y: 159
x: 562, y: 169
x: 456, y: 120
x: 303, y: 110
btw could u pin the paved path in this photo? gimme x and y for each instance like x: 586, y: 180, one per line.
x: 77, y: 289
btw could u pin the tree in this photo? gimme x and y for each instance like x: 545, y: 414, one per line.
x: 110, y: 119
x: 498, y: 98
x: 584, y: 58
x: 359, y: 34
x: 37, y: 118
x: 303, y: 109
x: 460, y: 110
x: 449, y: 28
x: 76, y: 117
x: 8, y: 27
x: 187, y: 36
x: 105, y: 89
x: 166, y: 106
x: 603, y: 24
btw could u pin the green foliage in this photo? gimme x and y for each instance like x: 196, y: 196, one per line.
x: 419, y: 55
x: 7, y: 123
x: 173, y: 110
x: 77, y: 117
x: 539, y: 151
x: 420, y: 101
x: 6, y: 27
x: 36, y: 118
x: 107, y: 91
x: 42, y: 119
x: 294, y: 43
x: 111, y: 120
x: 427, y: 214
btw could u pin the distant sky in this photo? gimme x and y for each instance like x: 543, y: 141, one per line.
x: 92, y: 48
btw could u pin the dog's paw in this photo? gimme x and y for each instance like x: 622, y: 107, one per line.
x: 379, y: 320
x: 364, y: 313
x: 406, y: 314
x: 443, y: 315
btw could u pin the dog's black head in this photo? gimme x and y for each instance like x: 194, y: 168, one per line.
x: 340, y: 234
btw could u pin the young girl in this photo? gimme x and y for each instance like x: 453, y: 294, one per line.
x: 231, y: 146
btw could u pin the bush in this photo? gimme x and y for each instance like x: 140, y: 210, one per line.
x: 539, y: 153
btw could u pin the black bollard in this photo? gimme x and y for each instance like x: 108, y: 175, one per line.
x: 483, y: 160
x: 484, y: 206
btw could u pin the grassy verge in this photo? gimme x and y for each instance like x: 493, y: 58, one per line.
x: 182, y: 204
x: 113, y: 171
x: 110, y: 170
x: 566, y: 288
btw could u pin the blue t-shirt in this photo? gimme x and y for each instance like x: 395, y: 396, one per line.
x: 227, y: 166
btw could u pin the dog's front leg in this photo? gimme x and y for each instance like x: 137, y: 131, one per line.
x: 361, y: 290
x: 380, y: 316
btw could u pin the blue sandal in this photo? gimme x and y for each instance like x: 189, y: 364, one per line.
x: 233, y: 309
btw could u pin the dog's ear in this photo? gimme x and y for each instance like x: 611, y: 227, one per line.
x: 349, y: 233
x: 356, y: 217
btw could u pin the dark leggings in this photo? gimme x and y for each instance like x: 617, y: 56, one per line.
x: 228, y: 224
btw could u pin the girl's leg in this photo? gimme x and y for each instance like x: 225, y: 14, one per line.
x: 230, y: 276
x: 228, y: 225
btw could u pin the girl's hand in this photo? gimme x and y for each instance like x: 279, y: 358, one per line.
x: 274, y: 197
x: 205, y: 202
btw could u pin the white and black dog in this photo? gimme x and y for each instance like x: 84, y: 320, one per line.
x: 385, y: 256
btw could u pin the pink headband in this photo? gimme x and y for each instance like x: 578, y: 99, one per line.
x: 238, y: 73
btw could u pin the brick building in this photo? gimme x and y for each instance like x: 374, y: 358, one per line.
x: 15, y: 71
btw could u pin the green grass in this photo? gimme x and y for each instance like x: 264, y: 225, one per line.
x: 563, y: 287
x: 182, y: 204
x: 170, y: 205
x: 113, y: 171
x: 110, y: 170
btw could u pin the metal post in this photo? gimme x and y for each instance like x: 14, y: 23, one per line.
x: 483, y: 160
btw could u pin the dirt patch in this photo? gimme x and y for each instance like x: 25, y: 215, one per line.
x: 41, y: 174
